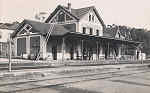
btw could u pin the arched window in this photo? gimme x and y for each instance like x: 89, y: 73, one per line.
x: 93, y: 18
x: 90, y: 17
x: 61, y: 17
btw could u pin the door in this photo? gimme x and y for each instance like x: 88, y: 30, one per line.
x: 72, y: 53
x: 54, y: 52
x: 21, y: 46
x: 34, y: 46
x: 90, y: 53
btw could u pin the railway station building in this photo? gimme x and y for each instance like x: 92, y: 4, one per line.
x: 73, y: 34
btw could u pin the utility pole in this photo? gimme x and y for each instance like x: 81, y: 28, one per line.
x: 10, y: 51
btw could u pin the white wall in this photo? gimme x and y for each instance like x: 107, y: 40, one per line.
x: 5, y: 34
x: 96, y: 25
x: 142, y: 56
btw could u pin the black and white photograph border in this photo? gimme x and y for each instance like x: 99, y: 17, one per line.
x: 70, y: 46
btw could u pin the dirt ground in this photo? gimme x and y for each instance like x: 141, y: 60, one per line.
x: 135, y: 83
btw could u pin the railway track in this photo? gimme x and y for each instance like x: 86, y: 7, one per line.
x: 36, y: 65
x: 66, y: 79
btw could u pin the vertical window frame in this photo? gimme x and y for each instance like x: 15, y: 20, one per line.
x: 93, y: 18
x: 91, y: 31
x: 90, y: 17
x: 97, y: 32
x: 84, y: 30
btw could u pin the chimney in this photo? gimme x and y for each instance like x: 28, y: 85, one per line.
x: 69, y: 7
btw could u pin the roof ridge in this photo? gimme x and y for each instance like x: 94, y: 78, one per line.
x: 85, y: 7
x: 65, y: 6
x: 77, y: 8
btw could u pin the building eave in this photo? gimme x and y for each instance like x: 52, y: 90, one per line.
x: 103, y: 37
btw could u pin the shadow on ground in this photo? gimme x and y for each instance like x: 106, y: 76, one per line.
x: 63, y: 89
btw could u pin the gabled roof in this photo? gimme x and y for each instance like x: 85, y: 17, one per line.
x: 76, y: 13
x: 79, y: 12
x: 110, y: 32
x: 55, y: 11
x: 43, y: 28
x: 113, y: 30
x: 58, y: 30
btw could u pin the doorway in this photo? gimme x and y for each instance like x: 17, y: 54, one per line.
x: 54, y: 52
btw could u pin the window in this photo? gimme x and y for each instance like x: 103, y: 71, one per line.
x: 90, y: 17
x: 61, y: 17
x: 84, y: 30
x: 0, y: 48
x: 119, y: 35
x: 97, y: 32
x: 91, y: 31
x: 93, y: 18
x: 21, y: 46
x: 0, y: 34
x: 35, y: 45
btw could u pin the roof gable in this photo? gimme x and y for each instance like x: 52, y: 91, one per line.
x: 76, y: 13
x: 56, y: 11
x: 93, y: 10
x: 110, y: 31
x: 119, y: 35
x: 62, y: 16
x: 91, y: 17
x: 120, y: 32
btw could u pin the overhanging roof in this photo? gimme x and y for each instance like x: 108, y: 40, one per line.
x: 100, y: 37
x: 63, y: 30
x: 43, y: 28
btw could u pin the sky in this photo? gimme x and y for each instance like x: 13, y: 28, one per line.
x: 133, y: 13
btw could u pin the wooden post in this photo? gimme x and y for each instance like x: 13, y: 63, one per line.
x: 97, y: 49
x: 141, y: 57
x: 108, y: 50
x: 10, y: 51
x: 119, y: 52
x: 82, y: 41
x: 1, y: 49
x: 63, y: 48
x: 28, y: 45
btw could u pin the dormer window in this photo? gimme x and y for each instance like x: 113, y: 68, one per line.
x: 61, y: 17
